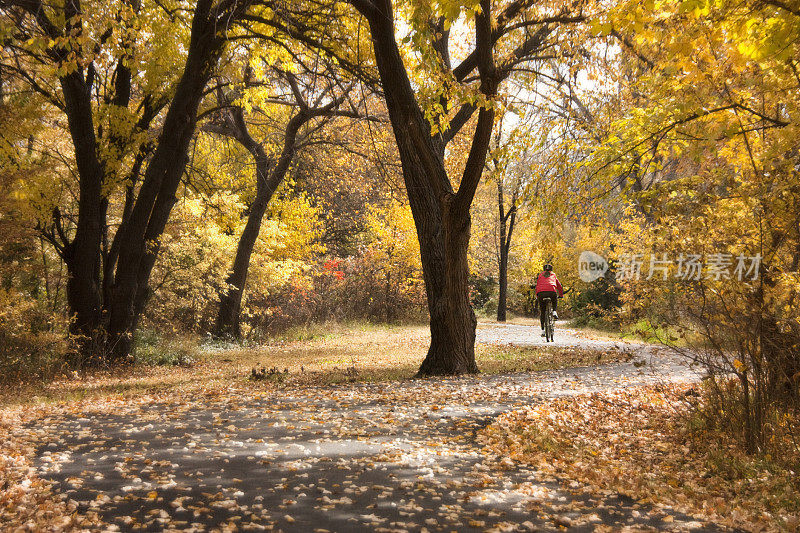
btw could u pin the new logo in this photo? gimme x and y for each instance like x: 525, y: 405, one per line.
x: 591, y: 266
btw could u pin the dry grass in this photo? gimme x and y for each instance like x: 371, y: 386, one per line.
x: 326, y: 354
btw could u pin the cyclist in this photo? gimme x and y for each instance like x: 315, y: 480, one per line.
x: 548, y: 286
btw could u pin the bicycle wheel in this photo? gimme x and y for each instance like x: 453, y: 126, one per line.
x: 548, y: 321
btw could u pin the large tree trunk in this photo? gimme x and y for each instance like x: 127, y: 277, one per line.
x: 446, y: 272
x: 105, y: 307
x: 139, y: 236
x: 82, y: 255
x: 443, y: 234
x: 441, y: 216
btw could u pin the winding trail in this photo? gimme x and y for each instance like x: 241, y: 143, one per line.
x: 397, y: 456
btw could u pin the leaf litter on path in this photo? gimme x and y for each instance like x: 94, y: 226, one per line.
x: 392, y: 456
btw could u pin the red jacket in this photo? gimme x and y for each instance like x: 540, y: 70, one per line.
x: 549, y: 283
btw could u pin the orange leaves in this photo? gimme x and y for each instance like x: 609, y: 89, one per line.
x: 26, y: 502
x: 635, y: 442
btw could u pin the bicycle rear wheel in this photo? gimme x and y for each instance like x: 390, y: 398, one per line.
x: 548, y: 321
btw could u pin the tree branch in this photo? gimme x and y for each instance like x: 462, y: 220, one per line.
x: 483, y: 130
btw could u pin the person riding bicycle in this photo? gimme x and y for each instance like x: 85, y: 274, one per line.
x: 548, y: 286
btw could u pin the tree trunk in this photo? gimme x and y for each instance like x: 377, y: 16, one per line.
x: 446, y: 273
x: 139, y: 236
x: 105, y: 306
x: 505, y: 246
x: 441, y: 216
x: 230, y: 302
x: 82, y: 255
x: 503, y: 279
x: 503, y: 274
x: 443, y: 235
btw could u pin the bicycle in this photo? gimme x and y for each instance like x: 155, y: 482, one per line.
x: 549, y: 322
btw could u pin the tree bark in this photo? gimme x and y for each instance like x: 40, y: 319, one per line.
x: 232, y: 124
x: 503, y: 282
x: 506, y: 217
x: 105, y: 300
x: 441, y: 216
x: 446, y: 272
x: 82, y: 255
x: 139, y: 235
x: 228, y: 317
x: 503, y: 274
x: 230, y: 301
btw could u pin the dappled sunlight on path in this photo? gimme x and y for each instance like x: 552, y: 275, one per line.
x: 397, y: 456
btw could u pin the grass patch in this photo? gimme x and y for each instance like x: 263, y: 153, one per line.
x: 596, y: 323
x: 494, y: 359
x: 327, y: 354
x: 646, y: 331
x: 151, y: 348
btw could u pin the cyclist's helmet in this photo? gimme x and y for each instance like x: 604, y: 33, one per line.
x: 548, y: 267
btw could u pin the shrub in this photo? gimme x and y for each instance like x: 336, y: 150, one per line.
x: 482, y: 288
x: 356, y: 288
x: 33, y: 342
x: 150, y: 348
x: 597, y: 303
x: 743, y: 329
x: 381, y: 282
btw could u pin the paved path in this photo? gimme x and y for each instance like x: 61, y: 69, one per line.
x: 524, y: 335
x: 360, y: 457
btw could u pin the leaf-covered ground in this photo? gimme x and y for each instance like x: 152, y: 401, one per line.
x: 26, y: 501
x: 301, y: 456
x: 322, y: 355
x: 637, y: 442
